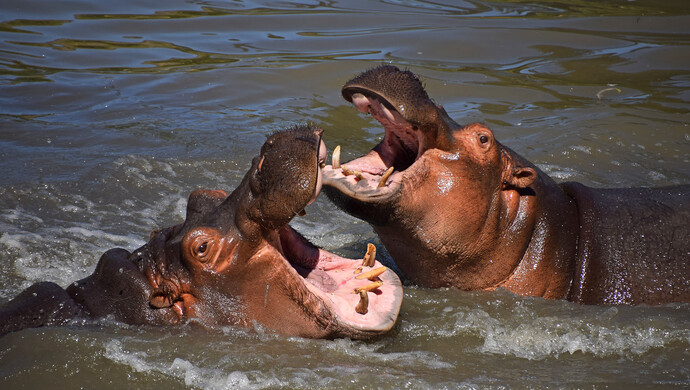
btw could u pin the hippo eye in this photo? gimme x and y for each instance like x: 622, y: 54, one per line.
x: 483, y: 139
x: 202, y: 245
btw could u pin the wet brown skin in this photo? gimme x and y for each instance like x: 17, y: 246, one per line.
x: 234, y: 261
x: 463, y: 210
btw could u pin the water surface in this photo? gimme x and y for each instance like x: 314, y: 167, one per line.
x: 111, y: 114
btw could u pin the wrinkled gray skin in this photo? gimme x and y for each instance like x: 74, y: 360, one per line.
x: 234, y: 261
x: 463, y: 210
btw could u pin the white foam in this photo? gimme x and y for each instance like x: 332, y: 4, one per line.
x: 192, y: 374
x: 92, y: 232
x: 535, y: 337
x: 558, y: 172
x: 370, y: 353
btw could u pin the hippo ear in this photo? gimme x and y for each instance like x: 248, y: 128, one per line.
x: 521, y: 177
x: 201, y: 203
x: 516, y: 174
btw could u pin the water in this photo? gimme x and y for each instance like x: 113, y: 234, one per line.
x: 111, y: 114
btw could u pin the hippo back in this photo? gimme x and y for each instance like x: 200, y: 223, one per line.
x: 634, y: 245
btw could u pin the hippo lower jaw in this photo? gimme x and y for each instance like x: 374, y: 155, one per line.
x: 363, y: 305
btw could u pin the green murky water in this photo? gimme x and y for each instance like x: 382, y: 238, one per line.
x: 111, y: 114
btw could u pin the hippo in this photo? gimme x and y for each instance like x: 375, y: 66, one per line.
x: 233, y: 261
x: 455, y: 208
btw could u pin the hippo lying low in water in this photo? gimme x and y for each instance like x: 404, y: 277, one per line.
x: 454, y: 207
x: 234, y: 261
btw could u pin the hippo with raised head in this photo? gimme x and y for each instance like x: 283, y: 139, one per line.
x: 234, y: 261
x: 454, y: 207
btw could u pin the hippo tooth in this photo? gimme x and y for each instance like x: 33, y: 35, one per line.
x: 386, y: 175
x: 371, y: 275
x: 335, y: 158
x: 348, y: 172
x: 369, y: 287
x: 388, y: 114
x: 357, y: 271
x: 363, y: 305
x: 361, y: 102
x: 370, y: 256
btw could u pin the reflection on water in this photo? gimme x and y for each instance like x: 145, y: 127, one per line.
x: 111, y: 114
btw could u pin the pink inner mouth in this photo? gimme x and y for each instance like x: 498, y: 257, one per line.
x: 333, y: 279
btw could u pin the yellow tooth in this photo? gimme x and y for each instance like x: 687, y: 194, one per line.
x: 363, y: 305
x: 385, y: 177
x: 335, y: 158
x: 370, y: 257
x: 347, y: 171
x: 369, y: 287
x: 371, y: 275
x: 358, y: 271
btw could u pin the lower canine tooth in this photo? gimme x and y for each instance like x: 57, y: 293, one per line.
x: 370, y: 257
x: 363, y: 305
x: 371, y: 275
x: 386, y: 175
x: 335, y: 158
x: 369, y: 287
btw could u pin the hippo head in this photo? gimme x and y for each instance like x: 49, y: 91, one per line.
x: 448, y: 201
x: 236, y: 261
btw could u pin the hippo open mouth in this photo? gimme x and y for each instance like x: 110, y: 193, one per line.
x: 363, y: 294
x: 404, y: 113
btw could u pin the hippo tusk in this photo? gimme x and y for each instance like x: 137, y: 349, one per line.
x: 371, y: 275
x: 348, y: 172
x: 369, y: 287
x: 363, y: 305
x: 386, y: 175
x: 389, y: 115
x: 335, y: 158
x: 370, y: 257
